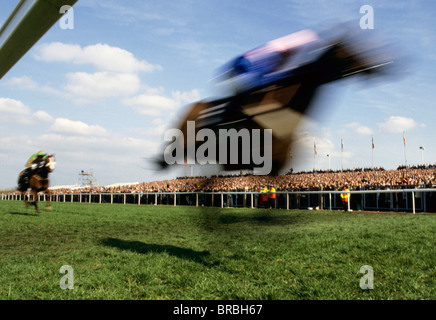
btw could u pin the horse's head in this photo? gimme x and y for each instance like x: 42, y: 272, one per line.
x: 50, y: 163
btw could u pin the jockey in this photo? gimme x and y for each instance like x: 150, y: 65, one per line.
x: 35, y: 159
x: 266, y: 64
x: 33, y: 163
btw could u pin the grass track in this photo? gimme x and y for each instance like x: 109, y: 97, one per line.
x: 160, y: 252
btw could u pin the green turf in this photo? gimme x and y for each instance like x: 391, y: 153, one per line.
x: 164, y: 252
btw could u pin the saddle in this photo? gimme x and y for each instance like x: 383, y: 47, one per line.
x: 24, y: 179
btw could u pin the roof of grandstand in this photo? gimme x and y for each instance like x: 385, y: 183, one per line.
x: 122, y: 184
x: 73, y: 186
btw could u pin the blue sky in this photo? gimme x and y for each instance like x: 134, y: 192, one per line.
x: 100, y: 95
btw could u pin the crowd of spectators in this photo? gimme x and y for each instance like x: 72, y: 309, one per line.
x: 355, y: 179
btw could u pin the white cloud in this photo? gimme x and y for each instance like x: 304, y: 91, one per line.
x: 43, y: 116
x: 157, y: 131
x: 85, y: 87
x: 305, y: 141
x: 27, y: 83
x: 154, y: 104
x: 23, y: 82
x: 102, y: 56
x: 12, y: 110
x: 187, y: 96
x: 70, y: 127
x: 151, y: 104
x: 396, y: 124
x: 360, y: 129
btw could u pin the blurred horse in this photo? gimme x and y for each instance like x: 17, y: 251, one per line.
x: 280, y: 100
x: 38, y: 182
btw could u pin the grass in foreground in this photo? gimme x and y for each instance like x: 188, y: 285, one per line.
x: 159, y: 252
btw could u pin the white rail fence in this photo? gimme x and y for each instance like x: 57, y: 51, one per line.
x: 400, y: 200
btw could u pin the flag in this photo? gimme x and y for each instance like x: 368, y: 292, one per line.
x: 314, y: 148
x: 404, y: 139
x: 373, y: 142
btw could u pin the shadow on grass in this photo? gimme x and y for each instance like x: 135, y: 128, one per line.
x: 24, y: 213
x: 260, y: 219
x: 141, y: 247
x: 263, y: 217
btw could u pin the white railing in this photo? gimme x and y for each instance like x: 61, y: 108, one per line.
x: 369, y: 200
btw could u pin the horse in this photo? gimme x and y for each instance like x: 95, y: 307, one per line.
x: 280, y: 103
x: 38, y: 182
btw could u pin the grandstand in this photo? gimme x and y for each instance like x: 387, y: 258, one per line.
x: 404, y: 189
x: 355, y: 179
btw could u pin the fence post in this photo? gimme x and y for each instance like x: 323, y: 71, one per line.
x: 175, y: 198
x: 287, y: 200
x: 222, y: 200
x: 330, y: 201
x: 413, y: 201
x: 196, y: 199
x: 155, y: 199
x: 252, y: 196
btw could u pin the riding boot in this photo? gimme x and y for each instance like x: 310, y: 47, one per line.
x: 26, y: 176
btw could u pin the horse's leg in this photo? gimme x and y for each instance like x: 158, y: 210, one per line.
x: 35, y: 199
x: 48, y: 204
x: 26, y: 203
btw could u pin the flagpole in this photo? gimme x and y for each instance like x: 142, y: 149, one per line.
x: 404, y: 142
x: 372, y: 155
x: 342, y: 150
x: 422, y: 155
